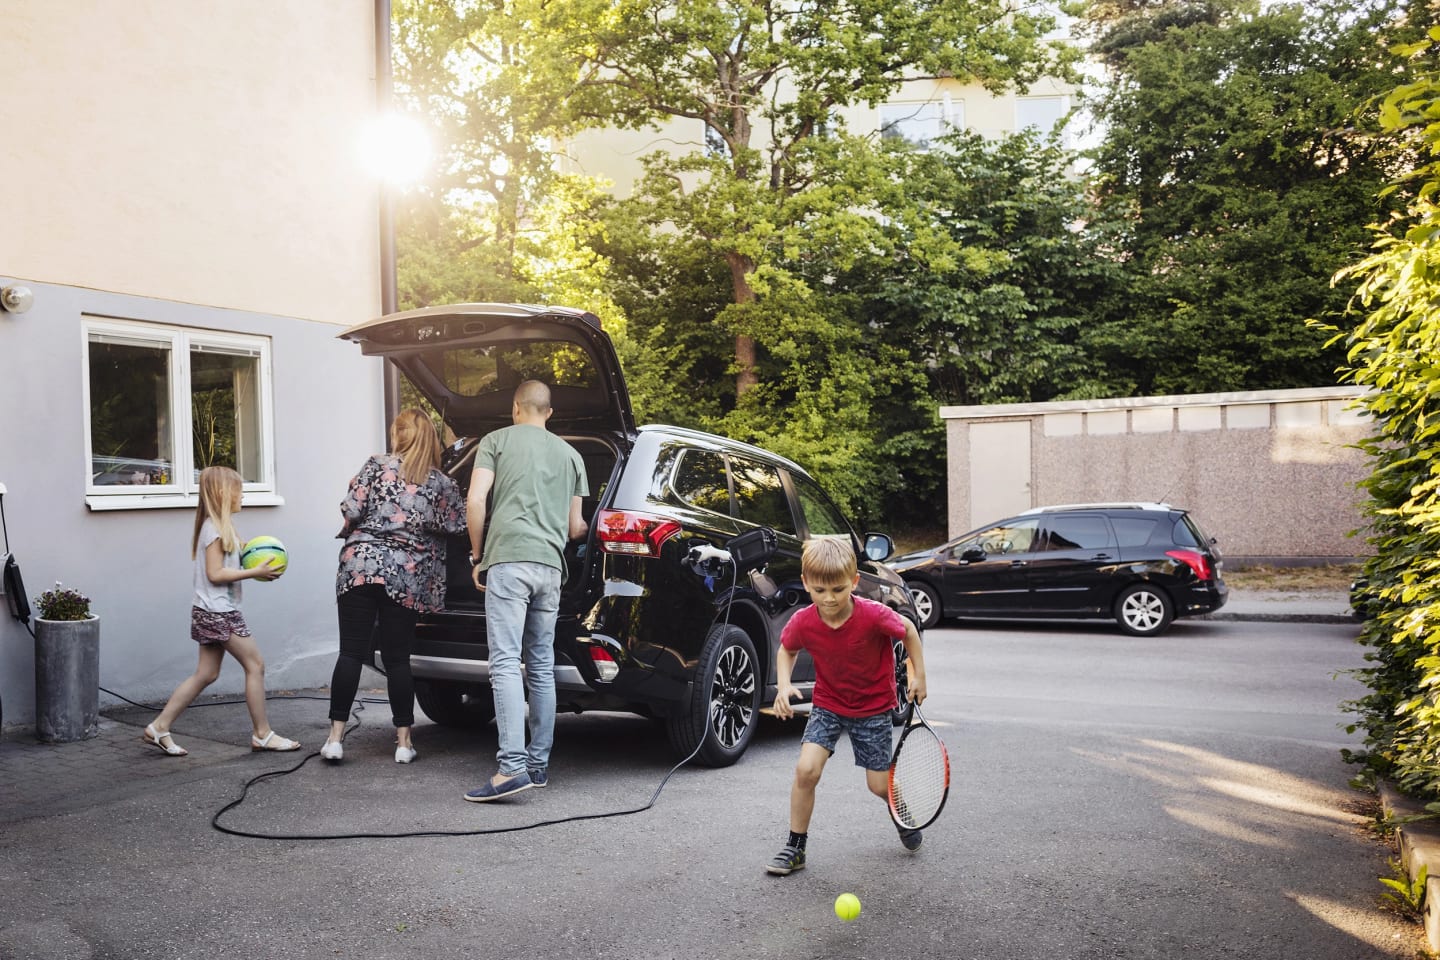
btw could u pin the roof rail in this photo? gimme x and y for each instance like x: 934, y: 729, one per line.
x: 1123, y: 505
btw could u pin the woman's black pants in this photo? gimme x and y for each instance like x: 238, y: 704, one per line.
x: 370, y: 619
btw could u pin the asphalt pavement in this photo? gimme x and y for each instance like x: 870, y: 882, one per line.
x: 114, y: 778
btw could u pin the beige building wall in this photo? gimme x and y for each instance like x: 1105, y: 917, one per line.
x: 1269, y: 474
x: 614, y: 155
x: 120, y: 118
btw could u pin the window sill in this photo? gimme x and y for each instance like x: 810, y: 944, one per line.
x: 170, y: 501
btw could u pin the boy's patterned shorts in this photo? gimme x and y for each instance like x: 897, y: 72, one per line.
x: 208, y: 626
x: 870, y: 737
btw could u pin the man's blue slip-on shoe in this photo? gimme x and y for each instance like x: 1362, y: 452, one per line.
x: 538, y: 778
x: 489, y: 791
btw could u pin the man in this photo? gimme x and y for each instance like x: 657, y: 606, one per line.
x: 538, y: 481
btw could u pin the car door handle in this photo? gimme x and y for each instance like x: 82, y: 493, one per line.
x: 1019, y: 563
x: 1101, y: 556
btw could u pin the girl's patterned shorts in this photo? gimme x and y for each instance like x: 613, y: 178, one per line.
x: 207, y: 626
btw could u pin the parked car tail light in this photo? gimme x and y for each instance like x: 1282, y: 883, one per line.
x: 605, y: 666
x: 635, y: 534
x: 1195, y: 561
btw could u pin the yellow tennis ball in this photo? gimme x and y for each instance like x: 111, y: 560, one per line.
x: 847, y: 906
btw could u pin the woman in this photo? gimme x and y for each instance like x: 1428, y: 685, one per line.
x: 392, y: 569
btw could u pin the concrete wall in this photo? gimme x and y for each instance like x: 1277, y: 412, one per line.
x: 194, y: 165
x: 1270, y: 474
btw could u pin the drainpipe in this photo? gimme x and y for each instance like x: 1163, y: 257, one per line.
x: 384, y: 96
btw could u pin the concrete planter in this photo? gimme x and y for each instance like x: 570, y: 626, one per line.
x: 67, y: 679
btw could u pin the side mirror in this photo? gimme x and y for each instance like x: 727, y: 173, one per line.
x: 878, y: 546
x: 972, y: 555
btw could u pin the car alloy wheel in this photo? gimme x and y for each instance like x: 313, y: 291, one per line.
x: 1143, y: 610
x: 725, y: 707
x: 903, y: 710
x: 927, y: 603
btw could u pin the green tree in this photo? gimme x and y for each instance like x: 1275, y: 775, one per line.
x: 778, y: 72
x: 1393, y: 351
x: 1235, y: 159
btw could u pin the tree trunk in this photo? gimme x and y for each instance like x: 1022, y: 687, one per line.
x: 745, y: 376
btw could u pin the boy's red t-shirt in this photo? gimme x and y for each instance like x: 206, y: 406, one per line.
x: 855, y: 662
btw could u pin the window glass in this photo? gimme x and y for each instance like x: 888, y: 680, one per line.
x: 500, y: 368
x: 1187, y: 533
x: 920, y: 123
x: 225, y: 410
x: 759, y: 497
x: 1017, y: 536
x: 700, y: 481
x: 1133, y: 531
x: 821, y: 516
x: 130, y: 412
x: 1077, y: 532
x: 1041, y: 113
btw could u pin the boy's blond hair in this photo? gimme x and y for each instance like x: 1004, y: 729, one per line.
x: 828, y: 560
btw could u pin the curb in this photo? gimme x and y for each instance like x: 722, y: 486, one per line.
x: 1419, y: 846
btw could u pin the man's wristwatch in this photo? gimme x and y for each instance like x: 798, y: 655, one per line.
x: 474, y: 561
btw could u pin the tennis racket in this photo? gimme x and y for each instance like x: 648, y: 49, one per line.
x: 919, y: 775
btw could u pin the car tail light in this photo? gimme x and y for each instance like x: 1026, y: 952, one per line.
x: 1195, y: 561
x: 635, y: 534
x: 605, y: 665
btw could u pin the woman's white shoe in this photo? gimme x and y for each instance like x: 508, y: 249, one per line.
x: 404, y: 754
x: 332, y: 750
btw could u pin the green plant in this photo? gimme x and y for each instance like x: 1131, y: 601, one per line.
x: 1408, y: 898
x: 63, y: 604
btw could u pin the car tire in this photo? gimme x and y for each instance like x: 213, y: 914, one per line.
x: 725, y: 703
x: 463, y: 706
x: 927, y: 602
x: 1144, y: 610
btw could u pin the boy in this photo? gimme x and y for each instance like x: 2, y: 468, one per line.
x: 851, y: 641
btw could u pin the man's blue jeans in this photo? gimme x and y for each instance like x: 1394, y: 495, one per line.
x: 521, y: 601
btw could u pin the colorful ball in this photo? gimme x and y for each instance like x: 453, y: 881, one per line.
x: 258, y: 550
x: 847, y: 906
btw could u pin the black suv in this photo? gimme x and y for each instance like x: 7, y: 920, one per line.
x: 1144, y: 564
x: 648, y: 624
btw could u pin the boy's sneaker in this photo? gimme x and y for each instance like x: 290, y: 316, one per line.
x: 787, y: 861
x: 910, y: 838
x: 538, y: 777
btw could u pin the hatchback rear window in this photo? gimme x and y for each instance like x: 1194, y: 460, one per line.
x: 500, y: 368
x: 1189, y: 534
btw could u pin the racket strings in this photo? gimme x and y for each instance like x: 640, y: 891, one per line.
x: 920, y: 779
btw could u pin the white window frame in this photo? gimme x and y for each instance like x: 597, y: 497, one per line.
x: 182, y: 490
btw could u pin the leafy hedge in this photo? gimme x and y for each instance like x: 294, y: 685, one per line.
x: 1395, y: 351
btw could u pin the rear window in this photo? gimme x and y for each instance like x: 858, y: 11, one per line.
x: 500, y: 368
x: 700, y: 481
x: 1189, y: 534
x: 759, y: 497
x: 1133, y: 531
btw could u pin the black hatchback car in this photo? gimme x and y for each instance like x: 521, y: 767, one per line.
x: 1143, y: 564
x: 646, y: 624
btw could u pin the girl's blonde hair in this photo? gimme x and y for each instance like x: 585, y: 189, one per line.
x: 413, y: 439
x: 218, y: 487
x: 828, y: 560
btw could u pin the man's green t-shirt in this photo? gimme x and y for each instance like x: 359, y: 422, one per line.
x: 536, y: 474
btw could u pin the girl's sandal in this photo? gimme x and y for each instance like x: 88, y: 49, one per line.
x: 158, y: 739
x: 272, y: 741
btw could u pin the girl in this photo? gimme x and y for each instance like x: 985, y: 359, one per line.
x: 215, y: 619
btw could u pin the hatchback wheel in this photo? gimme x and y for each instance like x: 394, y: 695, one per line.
x: 927, y: 603
x: 725, y: 707
x: 462, y: 705
x: 1143, y: 610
